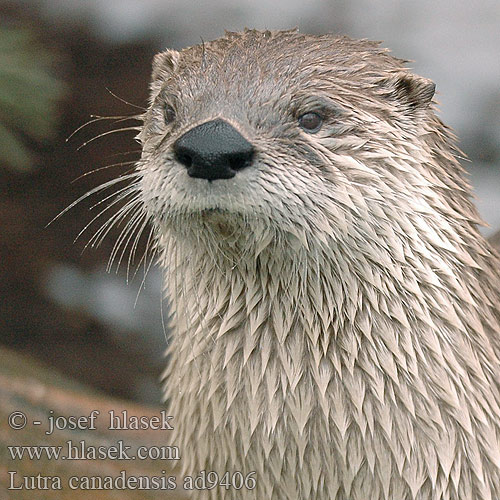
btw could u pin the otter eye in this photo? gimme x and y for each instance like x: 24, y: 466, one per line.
x: 311, y: 122
x: 169, y: 114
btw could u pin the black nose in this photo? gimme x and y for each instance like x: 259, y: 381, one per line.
x: 213, y: 150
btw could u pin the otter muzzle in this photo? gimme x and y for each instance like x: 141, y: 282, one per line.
x: 213, y: 150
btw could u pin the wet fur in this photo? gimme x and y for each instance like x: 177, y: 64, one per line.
x: 335, y: 309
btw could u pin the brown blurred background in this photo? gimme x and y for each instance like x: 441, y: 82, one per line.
x: 62, y: 61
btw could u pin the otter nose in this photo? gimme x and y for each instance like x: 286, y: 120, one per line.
x: 213, y: 150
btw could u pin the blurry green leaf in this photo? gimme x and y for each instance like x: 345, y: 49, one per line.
x: 12, y: 151
x: 29, y: 95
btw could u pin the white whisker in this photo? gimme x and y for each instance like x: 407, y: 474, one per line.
x: 96, y: 118
x: 104, y: 230
x: 109, y: 132
x: 95, y: 190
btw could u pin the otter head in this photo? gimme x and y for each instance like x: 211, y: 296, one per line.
x: 278, y: 136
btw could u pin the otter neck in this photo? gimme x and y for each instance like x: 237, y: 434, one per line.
x: 339, y: 310
x: 325, y: 347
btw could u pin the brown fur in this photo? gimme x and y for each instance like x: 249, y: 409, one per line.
x: 335, y: 309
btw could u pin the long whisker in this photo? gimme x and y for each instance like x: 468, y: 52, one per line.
x: 95, y: 170
x: 124, y: 101
x: 97, y: 118
x: 139, y: 226
x: 148, y: 247
x: 162, y: 314
x: 127, y: 198
x: 146, y: 268
x: 102, y: 232
x: 128, y: 187
x: 109, y: 132
x: 124, y: 239
x: 120, y: 195
x: 95, y: 190
x: 124, y: 153
x: 133, y: 249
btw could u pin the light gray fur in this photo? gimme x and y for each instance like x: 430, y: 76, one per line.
x: 335, y: 311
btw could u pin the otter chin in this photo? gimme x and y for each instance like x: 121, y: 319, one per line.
x: 335, y: 310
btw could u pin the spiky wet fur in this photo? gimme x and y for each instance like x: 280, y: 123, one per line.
x: 335, y: 310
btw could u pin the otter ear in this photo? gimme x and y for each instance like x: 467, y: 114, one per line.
x: 164, y: 63
x: 414, y: 91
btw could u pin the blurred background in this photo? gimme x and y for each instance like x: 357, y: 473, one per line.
x: 62, y: 61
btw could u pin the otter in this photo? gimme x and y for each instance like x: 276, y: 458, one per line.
x: 335, y: 310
